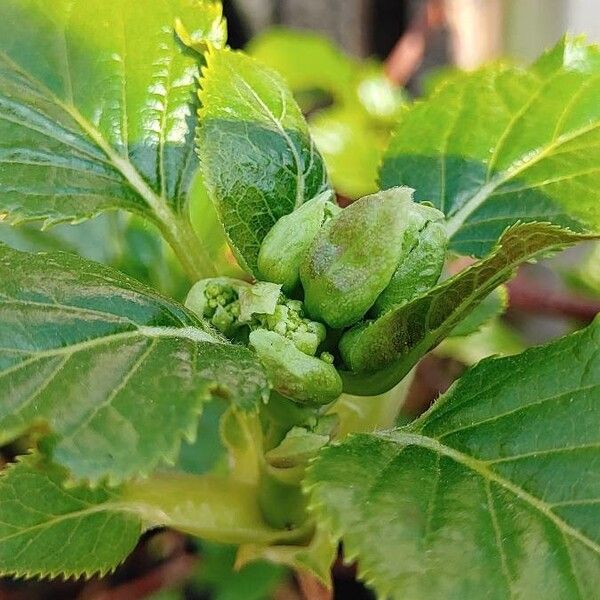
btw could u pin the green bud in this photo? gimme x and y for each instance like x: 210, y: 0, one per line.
x: 202, y: 299
x: 423, y: 255
x: 354, y: 257
x: 327, y: 357
x: 305, y: 341
x: 288, y: 241
x: 223, y: 320
x: 294, y: 374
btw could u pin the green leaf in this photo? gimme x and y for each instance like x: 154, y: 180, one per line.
x: 51, y: 528
x: 113, y: 370
x: 490, y: 307
x: 47, y: 530
x: 494, y: 493
x: 97, y: 110
x: 257, y: 158
x: 382, y: 352
x: 351, y: 146
x: 504, y: 144
x: 306, y: 60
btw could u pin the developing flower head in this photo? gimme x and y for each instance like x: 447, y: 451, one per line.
x: 231, y: 305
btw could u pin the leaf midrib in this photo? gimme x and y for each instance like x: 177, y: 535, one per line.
x: 143, y: 332
x: 123, y: 165
x: 456, y: 221
x: 186, y: 245
x: 279, y: 126
x: 482, y: 469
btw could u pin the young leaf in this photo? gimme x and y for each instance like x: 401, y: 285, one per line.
x: 257, y: 158
x: 381, y: 353
x: 47, y: 530
x: 116, y: 372
x: 490, y: 308
x: 97, y: 109
x: 504, y: 144
x: 494, y: 493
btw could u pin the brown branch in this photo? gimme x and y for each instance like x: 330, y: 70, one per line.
x: 408, y: 53
x: 166, y: 575
x: 311, y: 587
x: 527, y: 296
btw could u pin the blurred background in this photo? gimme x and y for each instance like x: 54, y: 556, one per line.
x: 353, y: 65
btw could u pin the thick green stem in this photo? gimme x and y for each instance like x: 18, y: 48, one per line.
x: 212, y: 507
x: 282, y: 502
x: 190, y: 251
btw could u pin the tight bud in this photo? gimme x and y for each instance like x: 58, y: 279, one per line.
x: 288, y: 241
x: 423, y: 255
x: 354, y: 257
x: 294, y: 374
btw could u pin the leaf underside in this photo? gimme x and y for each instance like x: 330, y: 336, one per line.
x: 504, y: 144
x: 257, y: 157
x: 113, y: 370
x: 494, y: 493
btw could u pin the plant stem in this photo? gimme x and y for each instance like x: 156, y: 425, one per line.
x: 408, y: 53
x: 527, y: 296
x: 213, y: 507
x: 190, y: 251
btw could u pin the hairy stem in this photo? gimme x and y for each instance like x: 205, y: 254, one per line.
x: 212, y: 507
x: 190, y: 251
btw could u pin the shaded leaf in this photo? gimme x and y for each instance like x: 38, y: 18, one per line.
x: 494, y: 493
x: 115, y: 371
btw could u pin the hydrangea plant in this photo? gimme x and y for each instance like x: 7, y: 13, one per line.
x: 492, y: 493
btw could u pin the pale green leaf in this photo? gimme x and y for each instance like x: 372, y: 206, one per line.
x: 257, y: 158
x: 383, y: 351
x: 493, y: 494
x: 51, y: 528
x: 504, y: 144
x: 97, y: 108
x: 307, y: 61
x: 116, y: 372
x: 47, y: 530
x: 351, y: 146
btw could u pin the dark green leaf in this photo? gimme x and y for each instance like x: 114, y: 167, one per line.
x: 493, y: 494
x: 257, y: 157
x: 116, y: 372
x: 47, y: 530
x: 504, y: 144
